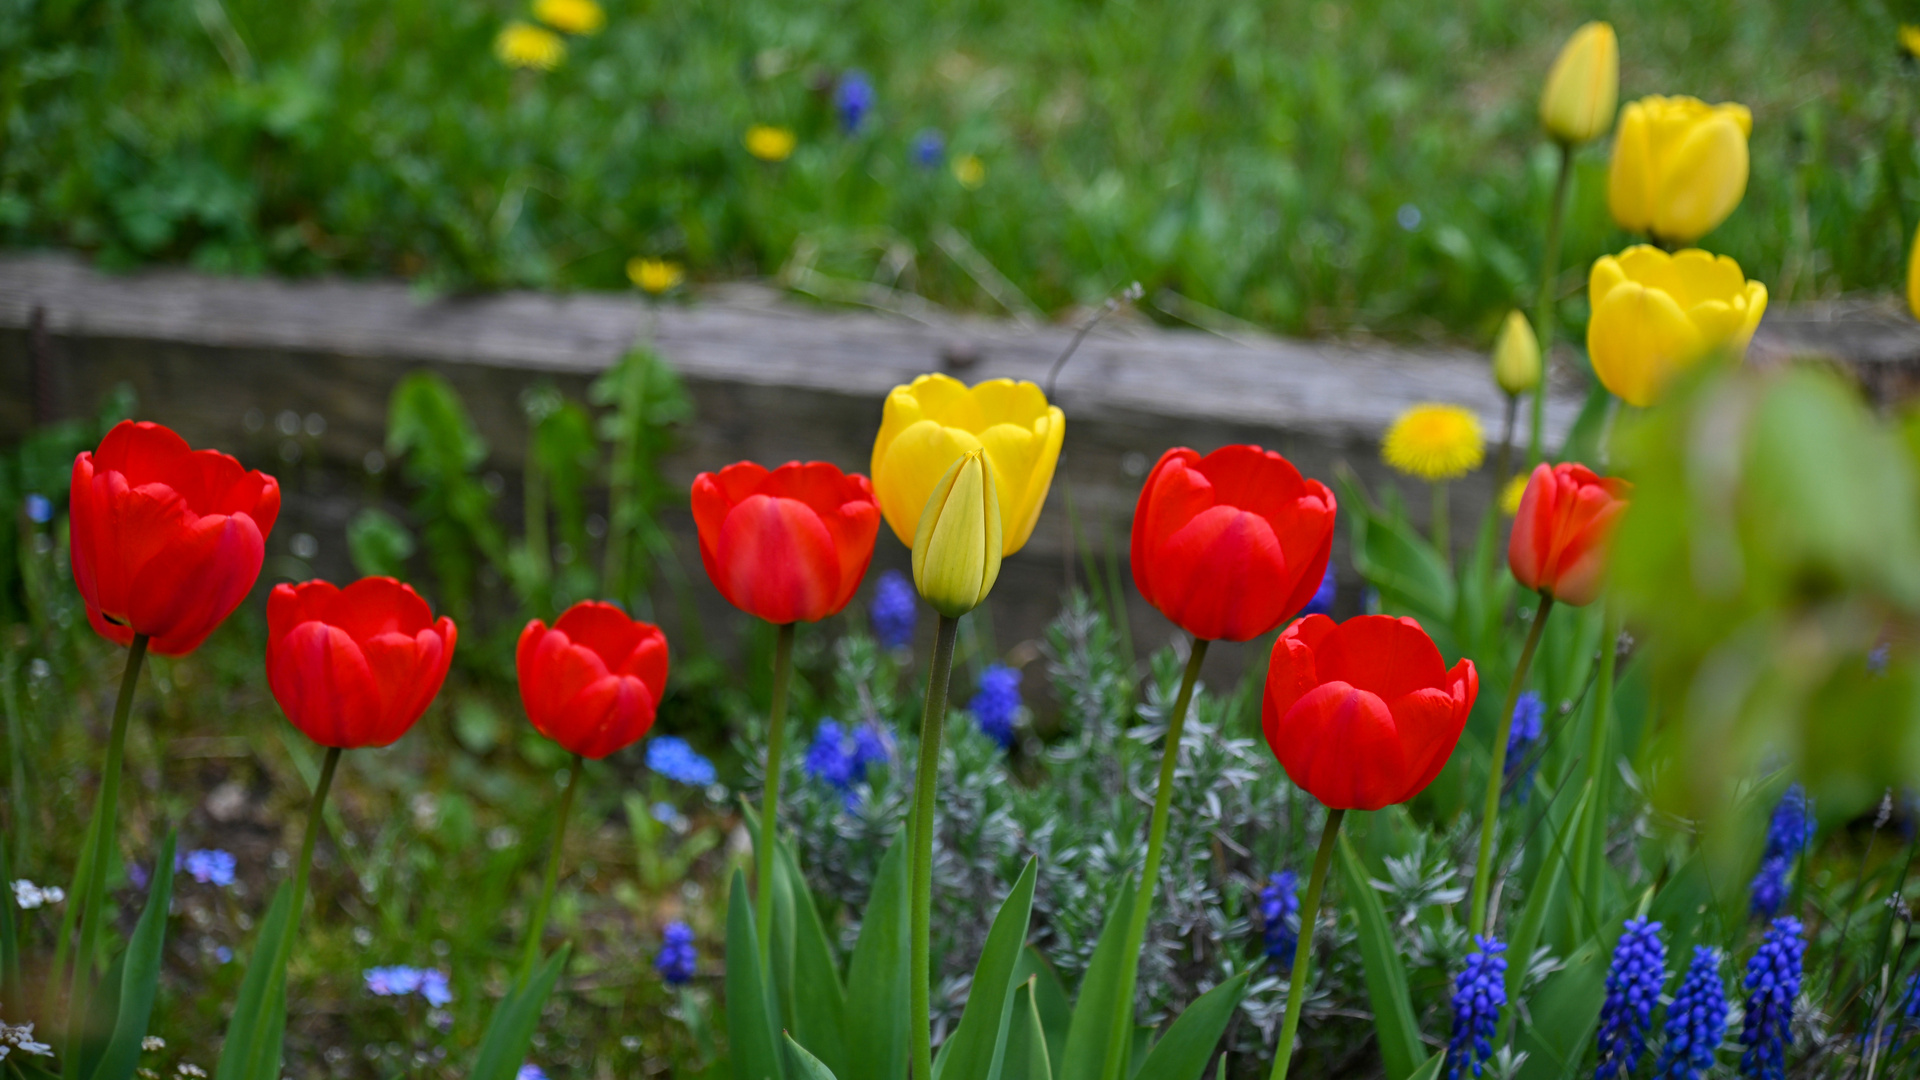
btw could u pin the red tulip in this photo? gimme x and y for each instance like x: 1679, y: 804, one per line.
x: 166, y: 540
x: 1560, y: 535
x: 594, y: 680
x: 789, y: 545
x: 1363, y: 714
x: 355, y: 666
x: 1231, y: 544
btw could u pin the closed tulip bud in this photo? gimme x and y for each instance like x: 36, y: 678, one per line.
x: 1655, y: 315
x: 1679, y: 167
x: 1516, y: 355
x: 956, y: 553
x: 355, y: 666
x: 592, y: 682
x: 1566, y: 517
x: 1583, y: 87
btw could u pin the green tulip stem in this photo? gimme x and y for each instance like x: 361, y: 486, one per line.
x: 1603, y: 693
x: 1442, y: 530
x: 1490, y: 816
x: 933, y: 721
x: 1543, y: 310
x: 1120, y: 1034
x: 90, y: 876
x: 770, y: 795
x: 1303, y: 948
x: 537, y: 926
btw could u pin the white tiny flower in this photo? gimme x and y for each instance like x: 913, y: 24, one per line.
x: 152, y: 1043
x: 28, y: 895
x: 188, y: 1069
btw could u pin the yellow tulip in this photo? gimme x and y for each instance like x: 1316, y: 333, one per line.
x: 1913, y: 277
x: 1679, y: 166
x: 1655, y: 315
x: 933, y: 421
x: 956, y: 551
x: 1583, y: 86
x: 1516, y: 355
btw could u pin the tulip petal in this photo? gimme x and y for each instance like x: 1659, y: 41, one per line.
x: 1637, y: 338
x: 914, y: 462
x: 1703, y: 181
x: 1630, y: 179
x: 1340, y: 744
x: 778, y: 560
x: 1428, y: 724
x: 321, y: 680
x: 1381, y: 655
x: 607, y: 714
x: 1223, y: 575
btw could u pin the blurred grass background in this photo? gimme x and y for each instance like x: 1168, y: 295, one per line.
x: 1372, y: 166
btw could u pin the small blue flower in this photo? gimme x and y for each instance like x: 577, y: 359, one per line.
x: 853, y: 99
x: 929, y: 148
x: 1770, y: 888
x: 665, y: 813
x: 1479, y: 993
x: 1696, y: 1021
x: 1322, y: 602
x: 1280, y: 917
x: 223, y: 954
x: 1634, y: 980
x: 871, y: 746
x: 395, y: 981
x: 39, y: 508
x: 530, y: 1071
x: 1529, y: 723
x: 208, y: 866
x: 1877, y: 658
x: 1792, y: 826
x: 433, y: 987
x: 830, y: 756
x: 996, y: 704
x: 677, y: 960
x: 1910, y: 1004
x: 672, y: 758
x: 1772, y: 983
x: 894, y: 611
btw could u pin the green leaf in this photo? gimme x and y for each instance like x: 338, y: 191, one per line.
x: 378, y: 544
x: 978, y: 1046
x: 1027, y: 1057
x: 1430, y: 1069
x: 805, y: 1065
x: 1397, y: 560
x: 140, y: 975
x: 247, y: 1028
x: 1386, y: 977
x: 503, y: 1049
x: 818, y: 1008
x: 1049, y: 1000
x: 750, y: 1011
x: 878, y: 976
x: 1564, y: 1013
x: 1583, y: 439
x: 1182, y: 1053
x: 9, y: 937
x: 1086, y: 1054
x: 1542, y: 900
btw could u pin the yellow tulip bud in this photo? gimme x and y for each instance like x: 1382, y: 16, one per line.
x: 1583, y: 86
x: 1655, y: 315
x: 1913, y: 277
x: 1679, y: 167
x: 956, y: 552
x: 931, y: 422
x: 1516, y: 355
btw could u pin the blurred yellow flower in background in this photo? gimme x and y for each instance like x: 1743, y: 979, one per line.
x: 1434, y: 442
x: 1584, y: 86
x: 769, y: 143
x: 1655, y: 315
x: 570, y: 16
x: 1913, y: 277
x: 524, y: 45
x: 1910, y: 39
x: 1679, y: 167
x: 970, y: 171
x: 1510, y: 495
x: 655, y: 275
x: 1516, y: 355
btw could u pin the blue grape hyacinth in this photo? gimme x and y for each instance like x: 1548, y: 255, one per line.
x: 894, y: 610
x: 853, y: 99
x: 677, y: 960
x: 1280, y: 917
x: 996, y: 704
x: 1792, y: 826
x: 1634, y: 980
x: 1769, y: 892
x: 929, y: 148
x: 1323, y: 597
x: 1696, y: 1021
x: 1529, y: 724
x: 1479, y: 993
x: 208, y: 866
x: 671, y: 757
x: 1772, y: 984
x: 830, y: 756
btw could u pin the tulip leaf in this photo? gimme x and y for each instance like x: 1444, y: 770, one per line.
x: 1430, y: 1068
x: 751, y: 1028
x: 977, y: 1048
x: 878, y: 974
x: 805, y: 1065
x: 1182, y: 1053
x: 140, y: 975
x: 510, y: 1031
x: 1027, y: 1052
x: 1399, y: 562
x: 9, y: 937
x: 248, y: 1027
x: 1049, y: 1000
x: 1564, y: 1012
x: 1086, y: 1053
x: 1386, y: 976
x: 817, y: 1010
x: 1543, y: 898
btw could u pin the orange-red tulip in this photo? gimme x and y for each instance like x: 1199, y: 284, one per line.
x: 1231, y: 544
x: 166, y: 540
x: 1567, y: 514
x: 593, y: 681
x: 788, y: 545
x: 1363, y: 714
x: 356, y: 666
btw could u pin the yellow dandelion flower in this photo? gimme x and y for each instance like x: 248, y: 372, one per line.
x: 1510, y: 495
x: 1434, y: 442
x: 570, y: 16
x: 655, y: 275
x: 970, y: 171
x: 524, y: 45
x: 1910, y: 39
x: 769, y: 143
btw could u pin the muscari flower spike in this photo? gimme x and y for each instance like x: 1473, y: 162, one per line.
x: 1322, y: 602
x: 929, y: 148
x: 672, y: 758
x: 894, y: 610
x: 208, y: 866
x: 1792, y: 827
x: 1696, y: 1021
x: 1772, y: 984
x: 1529, y: 724
x: 1280, y: 917
x: 1479, y: 993
x: 1769, y: 891
x: 1634, y: 980
x: 840, y: 758
x: 677, y: 960
x: 853, y: 99
x: 996, y: 704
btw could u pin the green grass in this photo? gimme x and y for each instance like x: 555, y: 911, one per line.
x: 1249, y: 156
